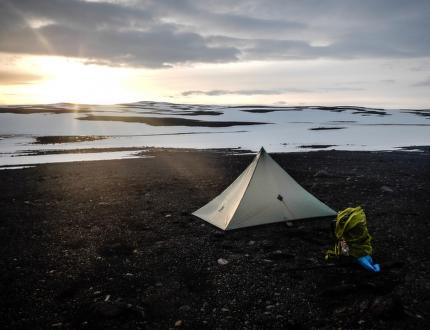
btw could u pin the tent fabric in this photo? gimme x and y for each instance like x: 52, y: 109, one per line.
x: 264, y: 193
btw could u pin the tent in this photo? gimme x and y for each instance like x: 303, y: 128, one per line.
x: 264, y: 193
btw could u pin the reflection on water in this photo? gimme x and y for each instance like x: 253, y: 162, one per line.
x: 143, y: 124
x: 63, y: 158
x: 14, y: 167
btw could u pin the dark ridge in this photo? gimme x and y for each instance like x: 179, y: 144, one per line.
x: 171, y: 121
x: 317, y: 146
x: 75, y: 151
x: 67, y: 139
x: 260, y: 107
x: 324, y: 128
x: 200, y: 113
x: 423, y: 113
x: 421, y: 148
x: 270, y: 110
x: 388, y: 124
x: 358, y: 110
x: 27, y: 111
x: 371, y: 112
x: 341, y: 108
x: 186, y: 113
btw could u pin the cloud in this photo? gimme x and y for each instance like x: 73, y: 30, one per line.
x: 281, y: 91
x: 423, y: 83
x: 218, y: 92
x: 101, y: 32
x: 340, y: 89
x: 164, y: 33
x: 17, y: 78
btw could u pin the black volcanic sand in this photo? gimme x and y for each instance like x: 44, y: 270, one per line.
x: 112, y: 244
x: 170, y: 121
x: 52, y: 139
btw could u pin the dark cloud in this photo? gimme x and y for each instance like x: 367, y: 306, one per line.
x: 162, y: 33
x: 155, y: 47
x: 103, y: 33
x: 423, y: 83
x: 17, y: 78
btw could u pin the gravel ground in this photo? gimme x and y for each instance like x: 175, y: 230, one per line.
x: 112, y: 244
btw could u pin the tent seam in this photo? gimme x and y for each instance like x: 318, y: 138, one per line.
x: 249, y: 182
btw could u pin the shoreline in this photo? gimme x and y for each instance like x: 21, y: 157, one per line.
x: 112, y: 244
x: 95, y: 153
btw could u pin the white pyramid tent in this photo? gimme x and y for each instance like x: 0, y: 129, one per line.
x: 263, y: 193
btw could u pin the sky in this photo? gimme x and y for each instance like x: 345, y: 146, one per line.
x: 280, y: 52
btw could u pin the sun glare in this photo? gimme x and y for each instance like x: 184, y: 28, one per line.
x: 70, y: 80
x: 76, y: 82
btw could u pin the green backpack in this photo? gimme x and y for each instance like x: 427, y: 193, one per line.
x: 352, y: 236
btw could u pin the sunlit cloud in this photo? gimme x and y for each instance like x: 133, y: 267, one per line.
x: 221, y: 52
x: 17, y: 78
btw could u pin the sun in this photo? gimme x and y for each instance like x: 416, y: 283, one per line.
x: 72, y: 80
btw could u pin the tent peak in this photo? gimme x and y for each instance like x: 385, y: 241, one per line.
x: 262, y: 150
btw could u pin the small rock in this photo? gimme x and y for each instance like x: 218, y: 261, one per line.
x: 279, y: 255
x: 222, y: 261
x: 185, y: 308
x: 167, y: 215
x: 289, y: 224
x: 56, y: 325
x: 321, y: 174
x: 225, y: 310
x: 386, y: 189
x: 179, y: 323
x: 363, y: 306
x: 251, y: 242
x: 339, y: 310
x: 267, y: 244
